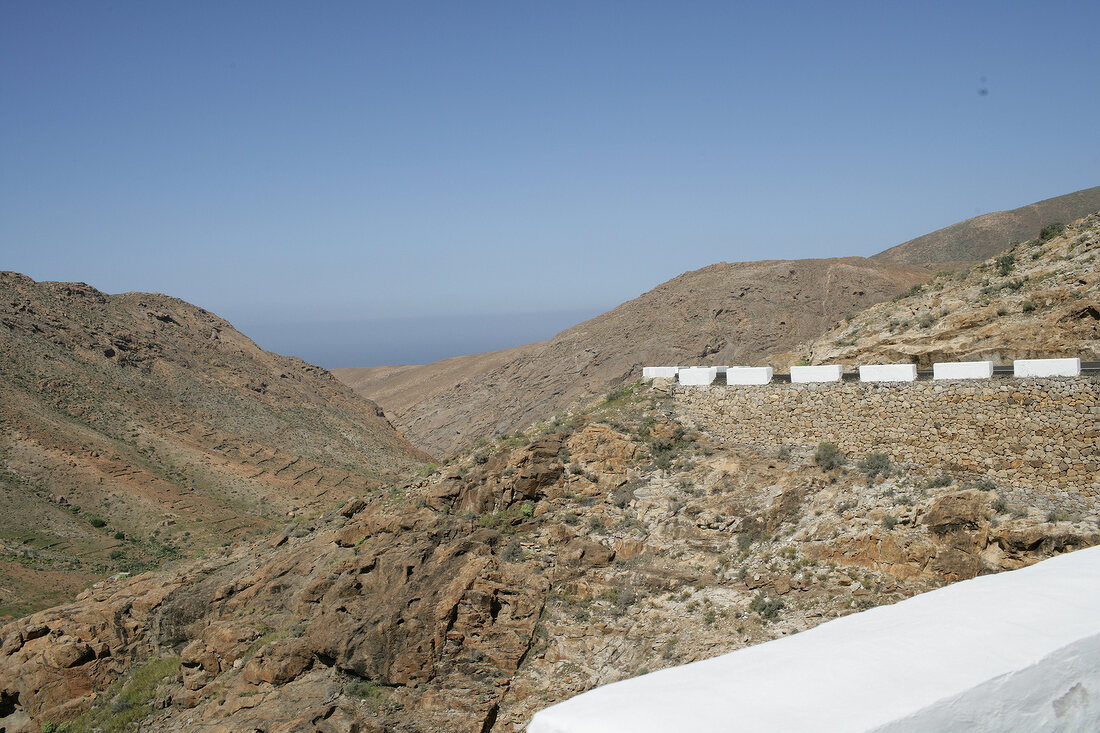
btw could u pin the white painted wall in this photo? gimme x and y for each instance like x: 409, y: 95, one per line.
x: 962, y: 370
x: 1016, y: 651
x: 659, y: 372
x: 697, y: 375
x: 827, y: 373
x: 888, y: 373
x: 749, y: 375
x: 1046, y: 367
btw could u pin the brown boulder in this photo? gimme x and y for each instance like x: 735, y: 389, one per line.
x: 964, y: 510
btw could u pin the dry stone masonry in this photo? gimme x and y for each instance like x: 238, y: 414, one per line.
x: 1036, y: 434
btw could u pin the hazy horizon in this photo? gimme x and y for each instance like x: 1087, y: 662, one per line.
x: 410, y: 340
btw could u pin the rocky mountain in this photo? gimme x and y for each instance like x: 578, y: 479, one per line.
x: 1039, y: 299
x: 137, y: 428
x: 609, y: 543
x: 728, y: 313
x: 986, y: 235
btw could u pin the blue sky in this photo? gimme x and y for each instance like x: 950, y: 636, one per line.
x: 362, y: 183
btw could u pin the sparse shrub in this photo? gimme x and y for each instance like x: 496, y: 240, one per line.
x: 117, y: 554
x: 915, y: 290
x: 481, y: 457
x: 618, y: 394
x: 1005, y: 264
x: 845, y: 506
x: 784, y: 451
x: 622, y: 497
x: 828, y: 456
x: 944, y: 479
x: 985, y: 485
x: 768, y: 608
x: 927, y: 320
x: 1000, y: 505
x: 889, y: 521
x: 1002, y: 311
x: 1050, y: 231
x: 1028, y: 306
x: 370, y: 693
x: 875, y: 465
x: 1015, y: 285
x: 513, y: 551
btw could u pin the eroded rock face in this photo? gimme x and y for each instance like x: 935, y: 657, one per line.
x: 467, y: 600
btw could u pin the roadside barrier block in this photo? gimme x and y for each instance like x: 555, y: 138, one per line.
x: 888, y: 373
x: 1046, y: 368
x: 962, y: 370
x: 808, y: 374
x: 697, y: 376
x: 749, y: 375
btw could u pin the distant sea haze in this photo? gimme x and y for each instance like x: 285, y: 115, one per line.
x: 410, y: 340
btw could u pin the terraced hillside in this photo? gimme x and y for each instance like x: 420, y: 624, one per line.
x: 136, y: 428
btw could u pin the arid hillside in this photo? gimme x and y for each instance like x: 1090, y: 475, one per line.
x: 615, y: 541
x: 728, y: 313
x: 1039, y: 299
x: 136, y: 428
x: 986, y: 235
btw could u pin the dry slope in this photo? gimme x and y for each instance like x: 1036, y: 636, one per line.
x: 1039, y: 299
x: 988, y: 234
x: 728, y: 313
x: 612, y: 544
x: 136, y: 427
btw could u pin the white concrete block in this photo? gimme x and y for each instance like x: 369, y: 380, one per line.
x: 1046, y: 368
x: 888, y: 373
x: 962, y: 370
x: 697, y: 375
x: 1013, y: 651
x: 827, y: 373
x: 659, y: 372
x: 749, y: 375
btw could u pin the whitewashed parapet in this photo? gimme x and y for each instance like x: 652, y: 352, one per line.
x: 962, y: 370
x: 749, y: 375
x: 659, y: 372
x: 888, y: 373
x: 1021, y: 648
x: 1046, y: 368
x: 808, y: 374
x: 697, y: 375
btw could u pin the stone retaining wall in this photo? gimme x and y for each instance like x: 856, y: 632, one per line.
x: 1036, y: 434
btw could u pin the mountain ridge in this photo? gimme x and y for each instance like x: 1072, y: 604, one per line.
x: 136, y: 427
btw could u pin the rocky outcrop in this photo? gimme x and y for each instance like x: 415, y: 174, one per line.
x: 527, y: 571
x: 1039, y: 299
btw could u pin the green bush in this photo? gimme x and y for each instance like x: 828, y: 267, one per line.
x: 1050, y: 231
x: 97, y: 522
x: 889, y: 521
x: 875, y: 465
x: 828, y: 456
x: 1005, y: 264
x: 1028, y: 306
x: 513, y: 551
x: 768, y: 608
